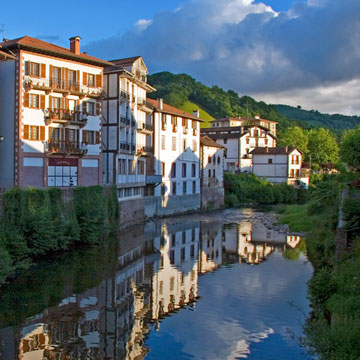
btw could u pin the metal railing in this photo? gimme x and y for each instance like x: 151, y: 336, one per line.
x: 66, y: 147
x: 145, y: 126
x: 64, y: 114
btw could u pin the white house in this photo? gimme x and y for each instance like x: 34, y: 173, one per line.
x: 211, y: 173
x: 177, y: 159
x: 50, y: 115
x: 239, y: 141
x: 280, y: 165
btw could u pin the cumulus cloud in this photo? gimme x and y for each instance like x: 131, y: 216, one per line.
x: 246, y: 46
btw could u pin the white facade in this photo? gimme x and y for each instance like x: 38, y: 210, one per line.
x: 280, y: 165
x: 128, y: 133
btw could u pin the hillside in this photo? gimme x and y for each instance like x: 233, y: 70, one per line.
x: 180, y: 89
x: 184, y: 92
x: 316, y: 119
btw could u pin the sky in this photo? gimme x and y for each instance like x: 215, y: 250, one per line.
x: 296, y: 52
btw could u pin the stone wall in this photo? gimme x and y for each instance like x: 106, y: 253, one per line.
x: 212, y: 198
x: 132, y: 211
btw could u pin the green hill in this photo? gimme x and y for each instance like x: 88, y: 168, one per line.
x: 184, y: 92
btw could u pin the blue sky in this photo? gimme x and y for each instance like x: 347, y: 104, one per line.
x: 297, y: 52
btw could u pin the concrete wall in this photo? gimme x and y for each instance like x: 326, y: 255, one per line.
x: 212, y: 198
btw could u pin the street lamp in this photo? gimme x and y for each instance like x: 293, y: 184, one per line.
x: 1, y: 138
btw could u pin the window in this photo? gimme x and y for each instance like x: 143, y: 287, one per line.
x: 172, y: 257
x: 193, y: 170
x: 173, y: 170
x: 172, y: 283
x: 184, y: 187
x: 173, y: 188
x: 62, y: 176
x: 182, y: 254
x: 136, y: 191
x: 141, y: 167
x: 91, y: 80
x: 292, y: 173
x: 90, y: 108
x: 192, y: 250
x: 183, y: 173
x: 209, y: 159
x: 297, y: 172
x: 173, y: 143
x: 194, y: 146
x: 266, y: 141
x: 34, y: 69
x: 209, y: 173
x: 72, y: 77
x: 174, y: 123
x: 270, y: 161
x: 163, y: 122
x: 90, y: 137
x: 184, y: 145
x: 214, y: 173
x: 131, y: 167
x: 34, y: 101
x: 122, y: 166
x: 218, y: 160
x: 162, y: 169
x: 184, y: 237
x: 214, y: 159
x: 163, y: 142
x: 54, y: 134
x: 173, y: 240
x: 194, y: 187
x: 163, y: 189
x: 34, y: 132
x: 225, y: 141
x: 55, y: 103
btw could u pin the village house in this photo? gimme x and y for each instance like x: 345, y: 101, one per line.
x: 211, y: 174
x: 50, y: 115
x: 176, y: 142
x: 280, y: 165
x: 240, y: 136
x: 128, y: 153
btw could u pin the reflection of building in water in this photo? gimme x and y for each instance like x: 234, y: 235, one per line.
x: 293, y: 240
x: 250, y: 242
x: 210, y: 254
x: 174, y: 281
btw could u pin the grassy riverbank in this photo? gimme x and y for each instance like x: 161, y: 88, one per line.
x: 34, y: 222
x: 332, y: 329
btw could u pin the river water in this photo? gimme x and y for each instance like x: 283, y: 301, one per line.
x: 212, y: 286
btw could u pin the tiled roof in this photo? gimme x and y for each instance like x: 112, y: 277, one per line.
x: 125, y: 61
x: 274, y: 150
x: 4, y: 55
x: 242, y: 119
x: 28, y: 42
x: 206, y: 141
x: 168, y: 109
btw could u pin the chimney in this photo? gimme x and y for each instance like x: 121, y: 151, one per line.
x: 196, y: 113
x: 160, y: 103
x: 75, y: 44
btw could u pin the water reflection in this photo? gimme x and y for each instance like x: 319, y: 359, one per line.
x: 102, y: 303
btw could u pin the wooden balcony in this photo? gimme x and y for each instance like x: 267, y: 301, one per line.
x: 65, y: 117
x: 145, y: 128
x: 63, y: 147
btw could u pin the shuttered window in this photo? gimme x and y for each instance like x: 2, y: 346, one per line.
x: 34, y: 132
x: 34, y: 100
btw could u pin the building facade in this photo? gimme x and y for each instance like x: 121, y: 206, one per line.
x: 239, y: 141
x: 128, y: 131
x: 280, y: 165
x: 211, y: 174
x: 176, y: 160
x: 50, y: 115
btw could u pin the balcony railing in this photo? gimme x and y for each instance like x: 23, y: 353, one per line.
x: 64, y: 114
x: 124, y: 95
x: 127, y: 146
x: 66, y: 147
x: 145, y: 126
x: 145, y: 149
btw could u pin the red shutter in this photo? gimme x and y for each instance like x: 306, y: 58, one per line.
x: 26, y: 132
x: 26, y: 99
x: 28, y: 68
x: 50, y: 133
x: 84, y: 107
x: 84, y: 78
x: 51, y: 71
x: 63, y: 103
x: 50, y: 102
x: 42, y: 133
x: 84, y: 137
x: 98, y: 137
x: 98, y: 108
x: 42, y: 102
x: 99, y: 80
x: 43, y: 70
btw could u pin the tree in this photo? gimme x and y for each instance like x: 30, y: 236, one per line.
x: 294, y: 136
x: 322, y: 146
x: 350, y: 148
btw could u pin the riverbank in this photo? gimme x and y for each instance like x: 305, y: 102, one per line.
x: 332, y: 330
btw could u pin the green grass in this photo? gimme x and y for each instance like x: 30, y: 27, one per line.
x: 296, y: 217
x: 189, y: 107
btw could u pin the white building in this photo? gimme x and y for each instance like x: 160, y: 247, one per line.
x: 239, y: 141
x: 128, y: 131
x: 50, y: 115
x: 280, y: 165
x: 211, y: 174
x: 177, y: 159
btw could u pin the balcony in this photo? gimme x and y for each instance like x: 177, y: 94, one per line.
x: 145, y: 128
x: 61, y: 147
x: 145, y: 150
x: 127, y: 147
x: 65, y: 116
x: 63, y: 86
x: 186, y: 130
x: 124, y: 96
x: 153, y: 179
x: 124, y: 121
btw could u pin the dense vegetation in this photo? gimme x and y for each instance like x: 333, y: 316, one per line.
x: 247, y: 188
x: 315, y: 119
x: 36, y: 222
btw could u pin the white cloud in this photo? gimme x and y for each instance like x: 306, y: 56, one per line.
x: 249, y: 48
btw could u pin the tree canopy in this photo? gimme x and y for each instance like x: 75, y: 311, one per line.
x: 350, y: 148
x: 294, y: 136
x: 322, y: 146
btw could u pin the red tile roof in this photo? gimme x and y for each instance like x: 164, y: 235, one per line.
x: 274, y: 150
x: 168, y: 109
x: 4, y: 55
x: 30, y: 43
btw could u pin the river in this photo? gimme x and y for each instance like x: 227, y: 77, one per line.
x: 223, y: 285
